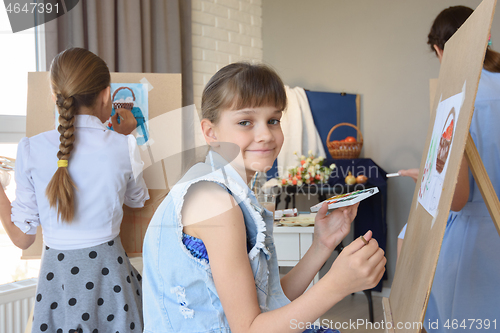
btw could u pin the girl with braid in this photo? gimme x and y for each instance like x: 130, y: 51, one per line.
x: 73, y: 181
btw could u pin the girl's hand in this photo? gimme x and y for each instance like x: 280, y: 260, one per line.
x: 20, y: 239
x: 4, y: 179
x: 412, y: 173
x: 127, y: 121
x: 358, y: 266
x: 330, y: 229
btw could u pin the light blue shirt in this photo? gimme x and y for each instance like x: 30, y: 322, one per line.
x: 179, y: 293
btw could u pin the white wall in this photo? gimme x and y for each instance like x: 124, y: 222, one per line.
x: 224, y: 31
x: 374, y: 48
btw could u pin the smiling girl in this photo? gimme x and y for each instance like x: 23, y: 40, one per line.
x: 210, y: 263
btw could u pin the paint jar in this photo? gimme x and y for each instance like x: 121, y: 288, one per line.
x: 268, y: 201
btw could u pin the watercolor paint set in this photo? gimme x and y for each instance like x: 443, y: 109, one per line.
x: 347, y: 199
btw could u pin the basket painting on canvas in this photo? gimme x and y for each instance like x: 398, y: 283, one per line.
x: 131, y: 96
x: 134, y: 97
x: 437, y: 157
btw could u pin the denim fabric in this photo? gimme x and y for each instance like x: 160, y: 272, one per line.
x: 178, y: 288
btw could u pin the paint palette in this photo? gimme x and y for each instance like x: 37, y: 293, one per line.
x: 7, y: 164
x: 347, y: 199
x: 303, y: 220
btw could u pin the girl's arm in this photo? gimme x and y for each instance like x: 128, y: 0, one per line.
x: 19, y: 238
x: 461, y: 195
x: 212, y: 215
x: 136, y: 193
x: 329, y: 230
x: 24, y: 210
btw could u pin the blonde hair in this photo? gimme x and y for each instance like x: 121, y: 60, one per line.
x: 77, y: 76
x: 241, y: 85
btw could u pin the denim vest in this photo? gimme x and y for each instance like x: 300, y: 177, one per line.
x: 178, y: 288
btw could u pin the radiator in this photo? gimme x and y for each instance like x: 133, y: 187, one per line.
x: 16, y: 303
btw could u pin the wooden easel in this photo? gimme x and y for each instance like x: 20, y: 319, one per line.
x: 462, y: 63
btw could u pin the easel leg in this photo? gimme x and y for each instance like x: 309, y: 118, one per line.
x: 389, y: 324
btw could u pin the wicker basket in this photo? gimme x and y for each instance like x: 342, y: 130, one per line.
x: 118, y: 105
x: 444, y: 145
x: 344, y: 150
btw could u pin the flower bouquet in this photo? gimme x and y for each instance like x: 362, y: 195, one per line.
x: 310, y: 171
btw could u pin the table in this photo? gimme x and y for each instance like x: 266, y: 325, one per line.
x: 291, y: 245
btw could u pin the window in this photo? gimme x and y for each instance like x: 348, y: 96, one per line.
x: 18, y: 57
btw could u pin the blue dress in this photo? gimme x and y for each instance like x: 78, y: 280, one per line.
x: 465, y: 293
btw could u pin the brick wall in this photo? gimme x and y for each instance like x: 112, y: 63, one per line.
x: 224, y: 31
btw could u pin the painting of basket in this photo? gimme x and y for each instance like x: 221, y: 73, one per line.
x: 445, y: 142
x: 120, y: 104
x: 133, y: 97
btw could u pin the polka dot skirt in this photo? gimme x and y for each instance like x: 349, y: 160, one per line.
x: 91, y: 290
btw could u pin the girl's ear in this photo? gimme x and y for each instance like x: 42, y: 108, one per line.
x: 439, y: 52
x: 106, y: 95
x: 208, y: 130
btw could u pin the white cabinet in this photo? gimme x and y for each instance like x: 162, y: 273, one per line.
x: 292, y: 244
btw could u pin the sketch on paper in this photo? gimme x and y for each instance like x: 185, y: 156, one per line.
x: 440, y: 146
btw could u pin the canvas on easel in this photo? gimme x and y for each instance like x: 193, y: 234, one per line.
x: 447, y: 140
x: 159, y: 137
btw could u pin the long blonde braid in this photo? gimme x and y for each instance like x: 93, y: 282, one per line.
x: 77, y: 77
